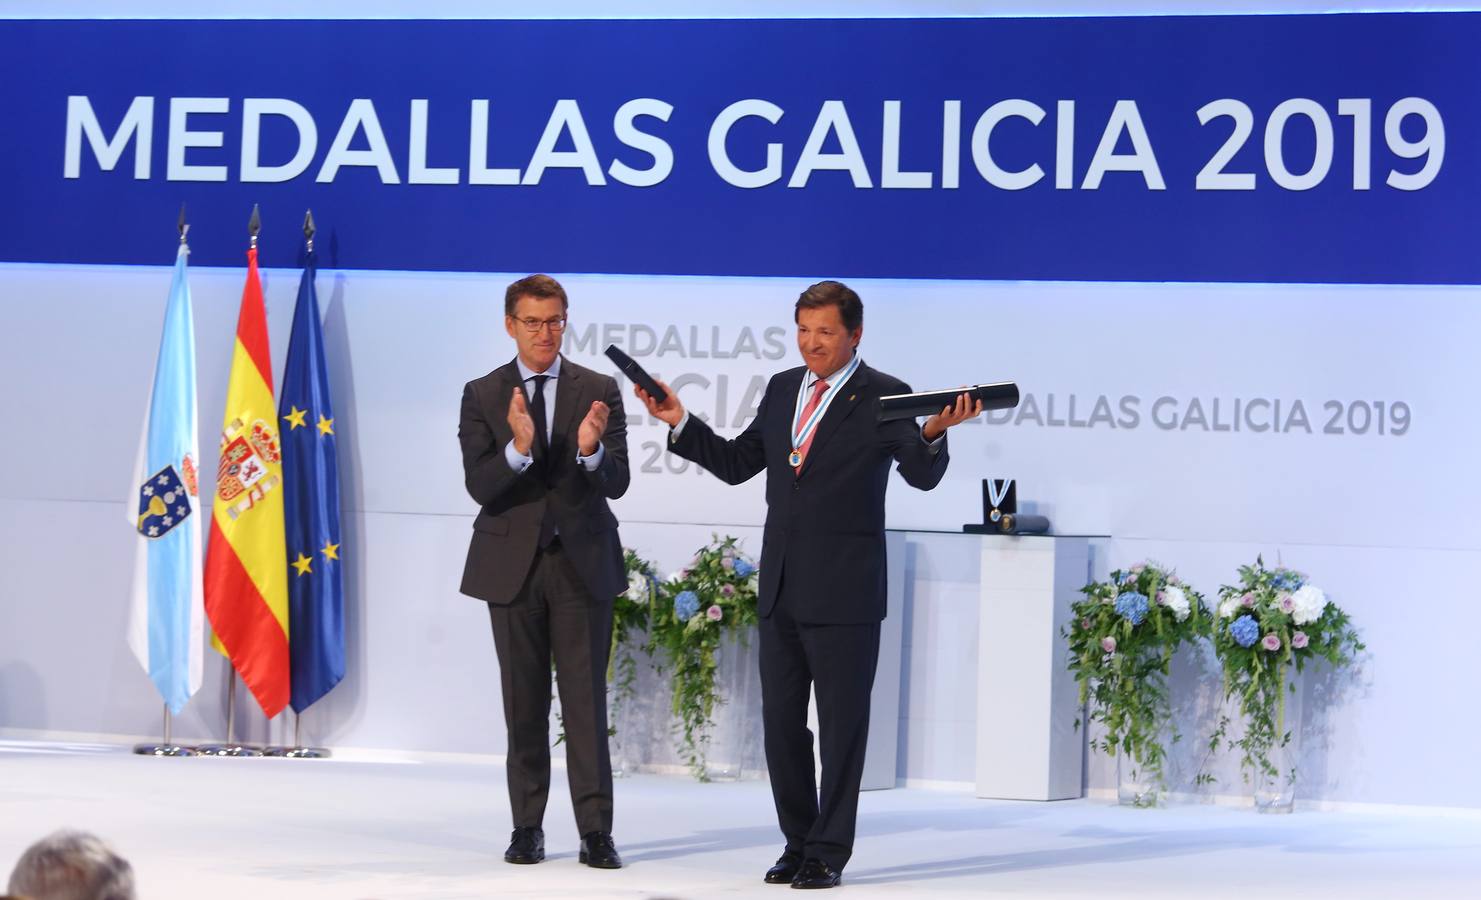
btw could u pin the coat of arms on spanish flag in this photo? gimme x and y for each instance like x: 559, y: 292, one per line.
x: 246, y: 574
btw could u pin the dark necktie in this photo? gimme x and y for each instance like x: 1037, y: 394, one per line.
x: 542, y: 454
x: 537, y: 413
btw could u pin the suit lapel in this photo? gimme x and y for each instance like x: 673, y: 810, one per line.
x: 850, y: 397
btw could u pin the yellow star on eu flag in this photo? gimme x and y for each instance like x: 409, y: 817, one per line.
x: 303, y: 564
x: 330, y: 551
x: 295, y: 418
x: 326, y: 426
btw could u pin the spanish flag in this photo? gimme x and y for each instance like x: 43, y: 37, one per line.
x: 246, y: 576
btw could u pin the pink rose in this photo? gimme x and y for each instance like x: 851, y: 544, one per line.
x: 1108, y: 644
x: 1085, y: 624
x: 727, y: 590
x: 1299, y: 640
x: 727, y: 563
x: 1161, y: 598
x: 714, y: 613
x: 1285, y: 603
x: 1138, y: 567
x: 1173, y: 579
x: 683, y: 574
x: 1271, y: 642
x: 1248, y: 601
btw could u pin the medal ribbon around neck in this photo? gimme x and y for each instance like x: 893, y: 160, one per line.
x: 801, y: 431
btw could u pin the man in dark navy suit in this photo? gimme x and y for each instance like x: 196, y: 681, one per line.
x: 822, y: 591
x: 544, y: 448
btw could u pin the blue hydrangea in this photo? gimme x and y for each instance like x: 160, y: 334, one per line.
x: 1133, y: 606
x: 1245, y: 631
x: 1286, y: 580
x: 686, y: 605
x: 743, y: 568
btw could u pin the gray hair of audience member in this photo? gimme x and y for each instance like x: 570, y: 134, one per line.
x: 72, y: 865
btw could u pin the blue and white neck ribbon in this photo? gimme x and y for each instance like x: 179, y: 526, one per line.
x: 801, y: 430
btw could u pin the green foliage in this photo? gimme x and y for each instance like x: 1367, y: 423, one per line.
x: 719, y: 584
x: 1300, y: 626
x: 1121, y: 643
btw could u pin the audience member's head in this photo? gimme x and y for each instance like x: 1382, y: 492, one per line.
x: 72, y: 865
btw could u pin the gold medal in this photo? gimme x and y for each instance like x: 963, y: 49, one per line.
x: 795, y: 459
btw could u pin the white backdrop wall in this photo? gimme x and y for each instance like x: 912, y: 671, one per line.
x: 1381, y: 521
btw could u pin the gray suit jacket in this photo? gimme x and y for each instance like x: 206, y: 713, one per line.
x: 507, y: 529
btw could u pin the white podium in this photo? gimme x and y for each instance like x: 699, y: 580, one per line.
x: 1027, y: 745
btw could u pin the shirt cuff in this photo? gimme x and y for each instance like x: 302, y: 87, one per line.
x: 517, y: 461
x: 679, y: 428
x: 590, y: 463
x: 933, y: 446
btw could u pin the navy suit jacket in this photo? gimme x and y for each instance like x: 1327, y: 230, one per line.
x: 825, y: 525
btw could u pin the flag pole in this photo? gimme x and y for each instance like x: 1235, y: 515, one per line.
x: 165, y: 747
x: 231, y: 747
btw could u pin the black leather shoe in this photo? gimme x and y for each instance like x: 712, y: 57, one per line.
x: 785, y: 869
x: 816, y: 874
x: 598, y: 851
x: 526, y: 846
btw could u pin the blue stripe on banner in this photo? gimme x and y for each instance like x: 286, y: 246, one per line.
x: 1239, y: 148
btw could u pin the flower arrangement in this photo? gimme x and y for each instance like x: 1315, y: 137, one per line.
x: 630, y: 614
x: 712, y: 596
x: 1121, y: 643
x: 1272, y: 621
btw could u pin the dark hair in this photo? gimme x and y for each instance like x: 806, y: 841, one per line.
x: 540, y: 287
x: 833, y: 293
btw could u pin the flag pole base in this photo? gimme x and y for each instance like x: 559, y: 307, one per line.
x: 228, y: 750
x: 298, y: 752
x: 163, y: 750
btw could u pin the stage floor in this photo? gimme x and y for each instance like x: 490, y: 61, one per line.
x: 436, y: 828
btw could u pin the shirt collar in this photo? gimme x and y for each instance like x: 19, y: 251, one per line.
x: 526, y: 373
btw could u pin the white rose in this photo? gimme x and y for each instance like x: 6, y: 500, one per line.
x: 1310, y: 602
x: 1227, y: 607
x: 1177, y: 601
x: 637, y: 587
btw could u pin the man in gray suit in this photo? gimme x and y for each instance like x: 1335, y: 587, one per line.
x: 544, y: 448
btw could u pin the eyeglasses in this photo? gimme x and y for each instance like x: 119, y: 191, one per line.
x: 533, y: 326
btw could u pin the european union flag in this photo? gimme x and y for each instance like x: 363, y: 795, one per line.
x: 316, y: 631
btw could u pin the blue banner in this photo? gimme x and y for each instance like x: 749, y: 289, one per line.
x: 1324, y: 148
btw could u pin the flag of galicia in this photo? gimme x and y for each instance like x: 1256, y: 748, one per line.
x: 166, y: 614
x: 311, y: 507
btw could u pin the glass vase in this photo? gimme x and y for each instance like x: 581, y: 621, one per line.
x: 1136, y: 784
x: 1275, y: 786
x: 735, y: 750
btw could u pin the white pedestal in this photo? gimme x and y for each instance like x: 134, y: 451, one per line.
x: 881, y: 751
x: 1027, y: 745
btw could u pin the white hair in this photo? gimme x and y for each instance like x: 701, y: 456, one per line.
x: 72, y: 865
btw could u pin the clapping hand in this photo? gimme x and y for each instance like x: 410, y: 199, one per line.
x: 593, y: 427
x: 520, y: 423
